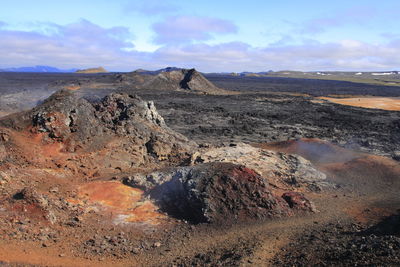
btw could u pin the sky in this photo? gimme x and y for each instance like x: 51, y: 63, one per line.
x: 211, y: 36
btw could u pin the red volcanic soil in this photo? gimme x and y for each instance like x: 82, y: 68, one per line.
x: 374, y: 179
x: 98, y: 209
x: 344, y: 165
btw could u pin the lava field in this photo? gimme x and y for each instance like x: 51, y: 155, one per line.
x: 183, y: 169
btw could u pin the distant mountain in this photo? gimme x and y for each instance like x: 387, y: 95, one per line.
x: 36, y: 69
x: 93, y: 70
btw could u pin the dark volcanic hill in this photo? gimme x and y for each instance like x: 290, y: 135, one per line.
x: 181, y: 80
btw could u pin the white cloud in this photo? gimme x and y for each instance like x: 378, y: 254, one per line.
x: 344, y: 55
x: 81, y: 44
x: 84, y: 44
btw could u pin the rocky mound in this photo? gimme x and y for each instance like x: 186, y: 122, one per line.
x: 93, y: 70
x: 284, y: 171
x: 182, y: 80
x: 175, y: 79
x: 217, y: 192
x: 127, y: 130
x: 133, y: 79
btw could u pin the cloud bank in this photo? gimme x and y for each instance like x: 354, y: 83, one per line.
x: 81, y: 44
x: 84, y: 44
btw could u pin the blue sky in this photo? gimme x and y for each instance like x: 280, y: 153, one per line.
x: 253, y: 35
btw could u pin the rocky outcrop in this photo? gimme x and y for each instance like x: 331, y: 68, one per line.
x: 298, y: 201
x: 130, y: 117
x: 128, y: 131
x: 283, y: 170
x: 63, y: 116
x: 217, y: 192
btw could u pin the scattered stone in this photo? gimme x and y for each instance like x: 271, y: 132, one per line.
x: 31, y: 196
x: 4, y: 178
x: 298, y: 201
x: 53, y: 190
x: 3, y: 152
x: 344, y: 245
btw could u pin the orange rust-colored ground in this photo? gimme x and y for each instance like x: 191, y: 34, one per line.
x: 111, y: 194
x: 125, y: 203
x: 385, y: 103
x: 53, y: 149
x: 32, y: 144
x: 28, y: 252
